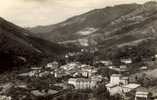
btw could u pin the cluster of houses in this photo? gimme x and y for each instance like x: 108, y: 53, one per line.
x: 120, y: 84
x: 123, y: 67
x: 82, y: 76
x: 75, y: 69
x: 88, y: 77
x: 41, y: 71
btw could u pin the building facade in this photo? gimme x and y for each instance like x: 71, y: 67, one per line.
x: 142, y: 95
x: 82, y: 83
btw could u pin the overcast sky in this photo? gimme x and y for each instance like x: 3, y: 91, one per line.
x: 30, y: 13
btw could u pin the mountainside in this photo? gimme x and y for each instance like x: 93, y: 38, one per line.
x: 83, y: 25
x: 120, y: 25
x: 18, y: 47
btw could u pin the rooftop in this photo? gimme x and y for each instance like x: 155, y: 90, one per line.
x: 72, y: 79
x: 110, y: 85
x: 83, y: 80
x: 125, y: 78
x: 131, y: 86
x: 142, y: 93
x: 116, y: 75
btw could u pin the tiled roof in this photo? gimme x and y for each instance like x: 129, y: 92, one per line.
x: 116, y: 75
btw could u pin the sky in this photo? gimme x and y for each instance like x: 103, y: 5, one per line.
x: 30, y: 13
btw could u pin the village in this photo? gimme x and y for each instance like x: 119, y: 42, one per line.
x: 54, y: 80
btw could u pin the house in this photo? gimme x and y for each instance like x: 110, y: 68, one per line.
x: 29, y: 74
x: 52, y: 65
x: 66, y: 56
x: 143, y: 68
x: 129, y: 87
x: 124, y: 80
x: 85, y: 66
x: 112, y: 67
x: 106, y: 62
x: 72, y: 81
x: 71, y: 54
x: 126, y: 61
x: 142, y: 95
x: 110, y: 86
x: 76, y: 74
x: 121, y: 89
x: 58, y: 73
x: 115, y: 78
x: 36, y: 68
x: 82, y: 83
x: 88, y: 71
x: 70, y: 66
x: 44, y: 73
x: 123, y: 67
x: 116, y: 83
x: 118, y: 79
x: 97, y: 78
x: 155, y: 55
x: 43, y: 92
x: 3, y: 97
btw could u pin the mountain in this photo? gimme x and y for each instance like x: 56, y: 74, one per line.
x: 82, y: 25
x: 119, y: 25
x: 19, y: 47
